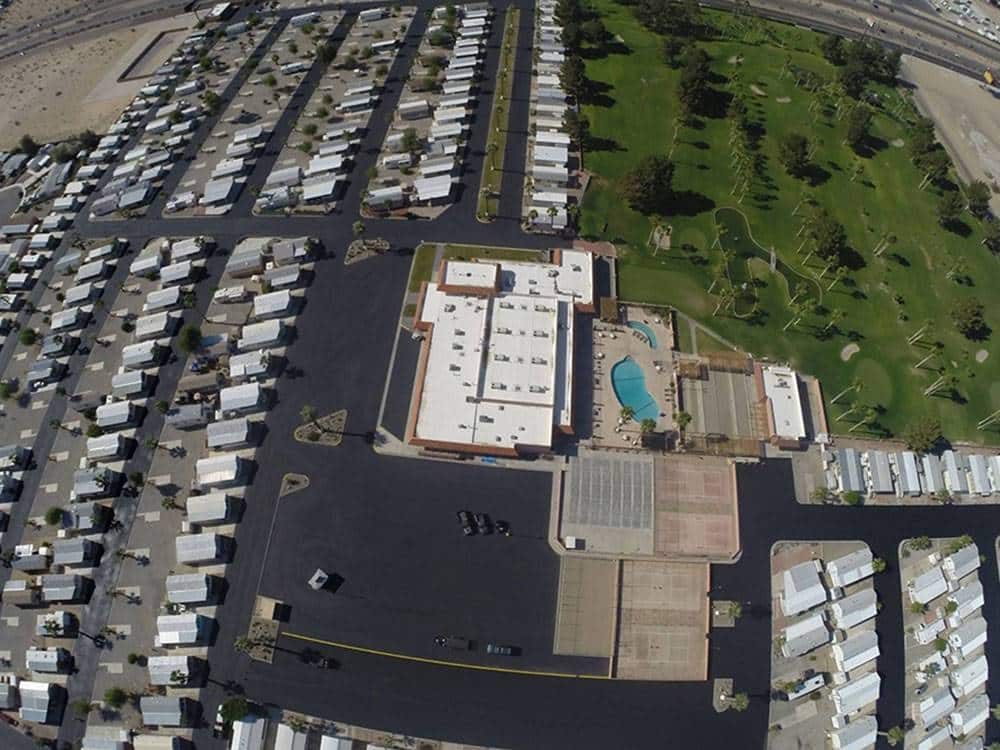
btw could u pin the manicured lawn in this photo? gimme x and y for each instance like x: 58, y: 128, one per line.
x: 423, y: 261
x: 499, y: 118
x: 884, y: 300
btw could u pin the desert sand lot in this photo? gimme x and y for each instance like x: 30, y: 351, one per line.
x: 967, y: 116
x: 61, y: 90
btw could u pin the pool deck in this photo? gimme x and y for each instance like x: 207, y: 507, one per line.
x: 611, y: 344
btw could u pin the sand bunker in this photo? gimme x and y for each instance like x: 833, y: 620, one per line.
x: 981, y: 355
x: 783, y: 99
x: 849, y: 351
x: 757, y: 90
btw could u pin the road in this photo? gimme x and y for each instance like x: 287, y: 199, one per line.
x: 380, y: 520
x: 898, y: 24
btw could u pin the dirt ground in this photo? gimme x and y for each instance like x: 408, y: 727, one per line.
x: 21, y: 12
x: 967, y: 116
x: 60, y: 91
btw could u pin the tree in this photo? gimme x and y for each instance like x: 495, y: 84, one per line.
x: 922, y: 434
x: 115, y: 697
x: 921, y: 543
x: 7, y: 389
x: 858, y: 122
x: 627, y: 413
x: 358, y: 228
x: 54, y: 516
x: 674, y: 49
x: 735, y: 610
x: 949, y: 207
x: 27, y: 336
x: 879, y: 565
x: 683, y: 419
x: 943, y: 496
x: 832, y: 47
x: 793, y: 151
x: 693, y: 90
x: 968, y: 318
x: 411, y: 141
x: 917, y: 608
x: 189, y: 339
x: 648, y: 188
x: 940, y: 645
x: 577, y: 126
x: 740, y: 702
x: 162, y: 406
x: 88, y: 139
x: 852, y: 78
x: 935, y: 165
x: 573, y: 76
x: 977, y: 193
x: 234, y: 709
x: 94, y: 431
x: 895, y: 735
x: 27, y: 145
x: 82, y: 708
x: 828, y: 234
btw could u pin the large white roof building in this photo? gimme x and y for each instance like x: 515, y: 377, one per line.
x: 495, y: 373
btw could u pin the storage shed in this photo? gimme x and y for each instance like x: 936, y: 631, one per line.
x: 191, y: 588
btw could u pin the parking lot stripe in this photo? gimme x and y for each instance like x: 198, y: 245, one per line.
x: 445, y: 662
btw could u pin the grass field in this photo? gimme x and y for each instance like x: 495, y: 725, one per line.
x: 423, y: 260
x: 499, y: 118
x: 883, y: 301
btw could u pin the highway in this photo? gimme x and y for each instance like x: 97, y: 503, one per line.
x: 921, y: 34
x: 89, y: 20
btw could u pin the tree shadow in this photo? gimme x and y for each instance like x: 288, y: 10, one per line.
x: 815, y: 174
x: 958, y: 227
x: 690, y: 203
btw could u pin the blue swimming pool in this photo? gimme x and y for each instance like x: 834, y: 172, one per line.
x: 644, y: 329
x: 630, y: 387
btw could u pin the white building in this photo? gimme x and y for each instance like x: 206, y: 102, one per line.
x: 927, y: 586
x: 965, y: 680
x: 860, y: 734
x: 968, y: 637
x: 803, y: 588
x: 961, y: 563
x: 857, y: 694
x: 854, y: 609
x: 851, y: 568
x: 784, y: 404
x: 495, y: 373
x: 802, y: 637
x: 856, y: 651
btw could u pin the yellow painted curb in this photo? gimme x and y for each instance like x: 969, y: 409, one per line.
x: 443, y: 662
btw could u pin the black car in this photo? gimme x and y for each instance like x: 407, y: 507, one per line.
x: 499, y: 650
x: 483, y: 523
x: 465, y: 518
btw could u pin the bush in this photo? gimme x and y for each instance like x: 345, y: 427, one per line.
x: 94, y: 431
x: 968, y: 318
x: 54, y: 516
x: 115, y: 697
x: 27, y: 336
x: 851, y: 497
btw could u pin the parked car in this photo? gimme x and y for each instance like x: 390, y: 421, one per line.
x: 483, y: 523
x: 219, y: 727
x: 465, y: 518
x: 499, y: 650
x: 452, y: 641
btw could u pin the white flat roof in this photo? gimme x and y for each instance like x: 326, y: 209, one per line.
x: 781, y: 385
x: 499, y: 369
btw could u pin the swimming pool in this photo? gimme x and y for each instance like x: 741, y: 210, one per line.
x: 644, y: 329
x: 630, y: 388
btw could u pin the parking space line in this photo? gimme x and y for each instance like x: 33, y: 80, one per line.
x: 444, y: 662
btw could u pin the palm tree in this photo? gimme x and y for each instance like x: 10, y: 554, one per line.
x: 170, y: 503
x: 838, y: 276
x: 552, y: 212
x: 835, y: 317
x: 627, y: 413
x: 868, y: 418
x: 726, y: 297
x: 855, y: 405
x: 856, y: 385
